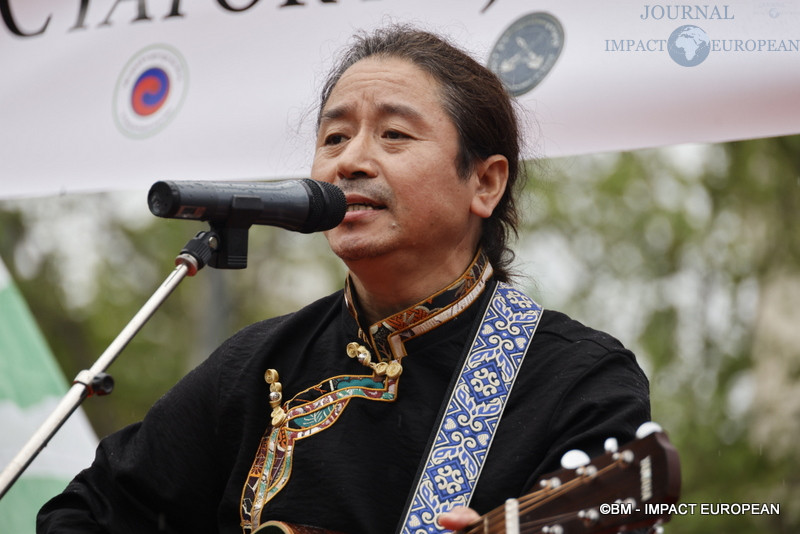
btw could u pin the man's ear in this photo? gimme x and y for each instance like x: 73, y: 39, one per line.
x: 492, y: 176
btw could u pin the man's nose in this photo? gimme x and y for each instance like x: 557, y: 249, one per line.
x: 357, y: 159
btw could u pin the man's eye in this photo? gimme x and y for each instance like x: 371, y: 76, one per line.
x: 334, y: 139
x: 394, y: 134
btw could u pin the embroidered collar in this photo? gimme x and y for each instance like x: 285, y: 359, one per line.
x: 387, y: 336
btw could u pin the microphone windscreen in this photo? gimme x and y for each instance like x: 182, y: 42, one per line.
x: 328, y: 206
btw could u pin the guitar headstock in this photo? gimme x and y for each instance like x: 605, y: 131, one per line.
x: 620, y: 491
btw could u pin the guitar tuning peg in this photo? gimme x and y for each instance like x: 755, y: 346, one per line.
x: 574, y: 459
x: 611, y: 445
x: 648, y: 428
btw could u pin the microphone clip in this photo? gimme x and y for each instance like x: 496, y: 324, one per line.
x: 222, y: 247
x: 232, y: 233
x: 225, y: 245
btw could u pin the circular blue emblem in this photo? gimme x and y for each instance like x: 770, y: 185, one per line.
x: 526, y: 51
x: 150, y: 91
x: 689, y: 45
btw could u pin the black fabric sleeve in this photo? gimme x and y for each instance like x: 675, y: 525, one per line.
x: 609, y: 398
x: 158, y: 475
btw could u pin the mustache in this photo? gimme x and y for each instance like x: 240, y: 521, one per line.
x: 377, y: 192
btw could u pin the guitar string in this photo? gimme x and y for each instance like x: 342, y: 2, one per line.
x: 526, y: 527
x: 530, y: 502
x: 536, y: 525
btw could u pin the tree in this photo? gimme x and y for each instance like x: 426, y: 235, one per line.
x: 87, y: 263
x: 688, y: 254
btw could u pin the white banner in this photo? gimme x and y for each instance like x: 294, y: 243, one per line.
x: 110, y: 94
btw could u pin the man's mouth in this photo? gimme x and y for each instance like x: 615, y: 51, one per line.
x: 358, y: 206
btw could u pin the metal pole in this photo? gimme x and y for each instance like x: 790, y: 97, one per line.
x: 94, y: 380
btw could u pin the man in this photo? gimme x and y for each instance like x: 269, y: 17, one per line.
x: 323, y: 417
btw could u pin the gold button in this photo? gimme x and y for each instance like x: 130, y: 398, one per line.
x: 394, y: 370
x: 271, y: 376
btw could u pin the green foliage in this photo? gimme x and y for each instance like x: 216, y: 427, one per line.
x: 688, y: 254
x: 83, y: 288
x: 679, y: 252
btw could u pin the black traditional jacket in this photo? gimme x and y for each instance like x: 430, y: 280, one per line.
x: 204, y: 458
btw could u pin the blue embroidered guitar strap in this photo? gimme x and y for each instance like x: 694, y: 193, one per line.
x: 477, y: 400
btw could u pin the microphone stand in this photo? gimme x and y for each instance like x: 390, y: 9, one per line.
x: 94, y: 381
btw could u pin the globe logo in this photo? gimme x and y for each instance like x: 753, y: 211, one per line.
x: 689, y: 46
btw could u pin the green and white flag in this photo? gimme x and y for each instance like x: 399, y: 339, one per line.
x: 31, y: 386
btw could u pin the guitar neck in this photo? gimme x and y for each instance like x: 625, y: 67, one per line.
x: 629, y: 483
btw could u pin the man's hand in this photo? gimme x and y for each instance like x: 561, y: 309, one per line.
x: 458, y: 518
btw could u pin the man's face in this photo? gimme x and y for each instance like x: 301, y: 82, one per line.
x: 385, y: 139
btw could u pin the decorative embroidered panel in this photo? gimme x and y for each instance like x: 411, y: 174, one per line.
x: 474, y: 409
x: 308, y: 413
x: 387, y: 336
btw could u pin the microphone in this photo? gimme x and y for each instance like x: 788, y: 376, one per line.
x: 299, y: 205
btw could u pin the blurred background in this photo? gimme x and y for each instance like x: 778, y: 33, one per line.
x: 688, y: 254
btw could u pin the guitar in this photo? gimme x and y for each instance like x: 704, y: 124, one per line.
x: 623, y: 490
